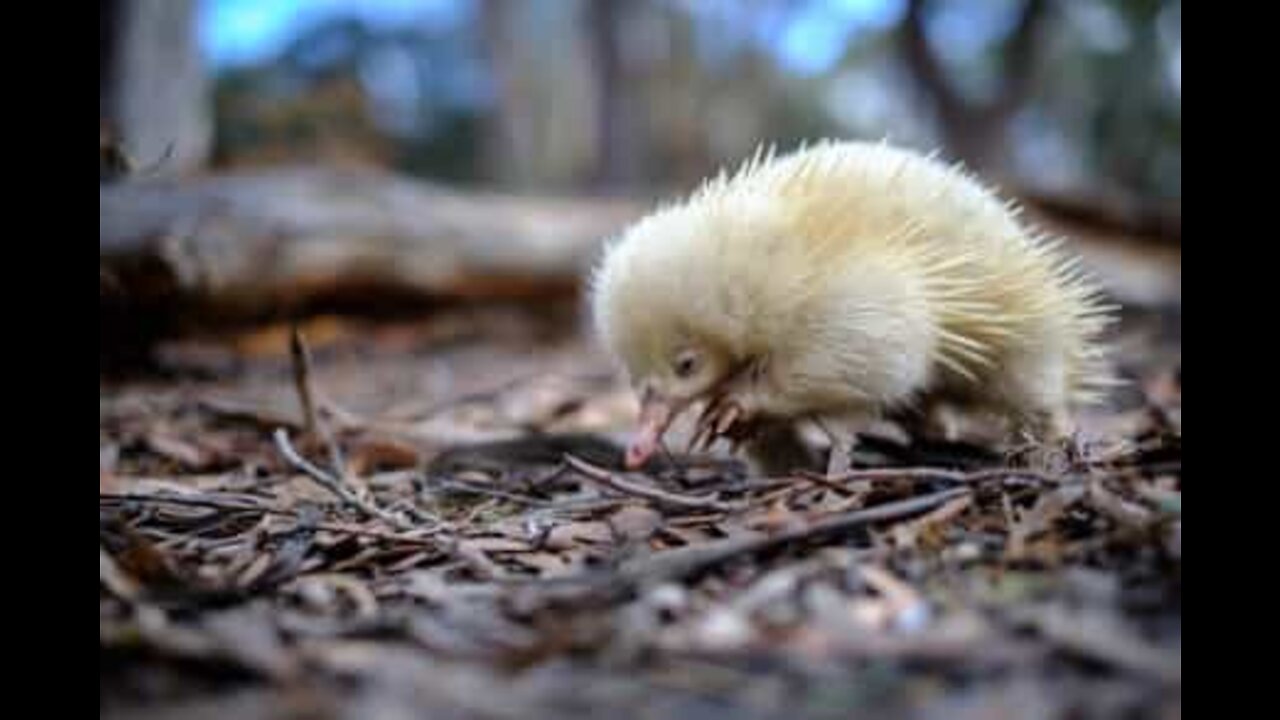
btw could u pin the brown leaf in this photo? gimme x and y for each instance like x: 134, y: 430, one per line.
x: 1125, y: 513
x: 931, y: 525
x: 145, y: 562
x: 249, y: 637
x: 117, y: 581
x: 326, y: 591
x: 177, y: 450
x: 569, y: 535
x: 635, y: 523
x: 381, y: 455
x: 1048, y: 508
x: 472, y: 553
x: 108, y: 458
x: 1102, y: 636
x: 496, y: 544
x: 549, y: 564
x: 905, y: 608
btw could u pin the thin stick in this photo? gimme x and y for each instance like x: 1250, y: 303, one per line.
x: 960, y: 477
x: 301, y: 361
x: 301, y: 356
x: 941, y: 515
x: 924, y: 473
x: 823, y: 481
x: 263, y: 510
x: 1094, y: 638
x: 476, y: 489
x: 681, y: 563
x: 333, y: 485
x: 614, y: 482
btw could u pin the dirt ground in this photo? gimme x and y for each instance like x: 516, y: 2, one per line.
x: 446, y: 534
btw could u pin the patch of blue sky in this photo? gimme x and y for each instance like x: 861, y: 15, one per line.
x: 237, y: 32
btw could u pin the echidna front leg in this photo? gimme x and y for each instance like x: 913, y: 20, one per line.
x: 732, y: 411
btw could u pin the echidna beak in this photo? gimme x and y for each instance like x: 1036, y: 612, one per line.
x: 656, y: 414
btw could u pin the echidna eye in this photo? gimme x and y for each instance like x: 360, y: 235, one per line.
x: 686, y: 364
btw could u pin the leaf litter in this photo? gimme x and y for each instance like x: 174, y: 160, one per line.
x: 329, y: 533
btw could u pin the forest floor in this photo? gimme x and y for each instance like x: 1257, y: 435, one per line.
x: 444, y: 533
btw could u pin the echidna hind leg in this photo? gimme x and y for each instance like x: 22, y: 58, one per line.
x: 843, y: 432
x: 1034, y: 391
x: 940, y: 419
x: 1042, y: 438
x: 929, y: 418
x: 1042, y: 425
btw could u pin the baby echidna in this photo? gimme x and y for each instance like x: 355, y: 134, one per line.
x: 841, y: 282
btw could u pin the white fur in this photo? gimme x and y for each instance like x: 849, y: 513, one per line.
x: 865, y: 276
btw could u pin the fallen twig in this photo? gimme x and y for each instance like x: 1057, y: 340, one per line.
x: 844, y: 522
x: 614, y: 482
x: 906, y: 533
x: 234, y: 506
x: 477, y: 489
x: 823, y: 481
x: 301, y: 356
x: 958, y: 477
x: 1128, y: 514
x: 334, y: 485
x: 1100, y: 638
x: 678, y: 564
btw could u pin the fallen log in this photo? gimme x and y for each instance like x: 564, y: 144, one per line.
x: 217, y: 250
x: 244, y: 246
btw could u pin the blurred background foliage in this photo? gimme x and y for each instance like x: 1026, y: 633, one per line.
x: 1080, y: 98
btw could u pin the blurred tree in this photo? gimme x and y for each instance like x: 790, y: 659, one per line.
x: 545, y: 126
x: 615, y: 154
x: 152, y: 86
x: 1067, y: 98
x: 308, y: 106
x: 345, y: 93
x: 1140, y: 118
x: 973, y: 129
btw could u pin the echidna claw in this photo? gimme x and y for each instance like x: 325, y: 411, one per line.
x: 727, y: 418
x: 717, y: 419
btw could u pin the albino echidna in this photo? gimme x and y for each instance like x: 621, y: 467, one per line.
x: 841, y: 282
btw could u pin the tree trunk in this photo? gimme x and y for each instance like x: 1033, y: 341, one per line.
x: 977, y: 132
x: 152, y: 86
